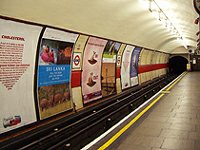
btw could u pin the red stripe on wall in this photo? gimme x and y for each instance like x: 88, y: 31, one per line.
x: 76, y: 78
x: 147, y: 68
x: 118, y: 72
x: 76, y: 75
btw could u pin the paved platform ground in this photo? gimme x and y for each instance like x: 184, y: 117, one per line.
x: 172, y: 124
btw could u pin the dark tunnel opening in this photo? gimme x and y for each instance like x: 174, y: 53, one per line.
x: 177, y: 65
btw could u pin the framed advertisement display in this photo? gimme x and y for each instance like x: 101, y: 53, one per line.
x: 109, y: 59
x: 134, y: 66
x: 91, y: 74
x: 18, y: 44
x: 125, y: 67
x: 54, y: 72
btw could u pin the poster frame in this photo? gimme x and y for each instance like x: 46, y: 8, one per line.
x: 37, y: 73
x: 115, y: 68
x: 92, y: 101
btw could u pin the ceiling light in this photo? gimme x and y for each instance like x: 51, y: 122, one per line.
x: 161, y: 16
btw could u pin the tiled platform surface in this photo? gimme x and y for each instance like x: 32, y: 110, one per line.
x: 172, y: 124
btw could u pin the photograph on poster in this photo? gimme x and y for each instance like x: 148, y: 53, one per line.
x: 91, y: 75
x: 134, y: 66
x: 108, y: 82
x: 125, y: 68
x: 54, y: 97
x: 55, y: 52
x: 54, y: 77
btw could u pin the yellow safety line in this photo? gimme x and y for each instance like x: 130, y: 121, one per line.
x: 176, y: 81
x: 165, y: 92
x: 117, y: 135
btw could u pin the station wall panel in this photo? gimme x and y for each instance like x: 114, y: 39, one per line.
x: 77, y: 97
x: 152, y: 65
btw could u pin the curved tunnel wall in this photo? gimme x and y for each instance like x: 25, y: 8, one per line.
x: 59, y: 69
x: 152, y: 64
x: 110, y: 19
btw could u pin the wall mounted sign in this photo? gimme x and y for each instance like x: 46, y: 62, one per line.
x: 76, y: 60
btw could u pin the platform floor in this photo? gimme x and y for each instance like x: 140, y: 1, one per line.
x: 172, y: 124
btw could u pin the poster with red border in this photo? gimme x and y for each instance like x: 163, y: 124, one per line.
x: 18, y: 45
x: 91, y: 74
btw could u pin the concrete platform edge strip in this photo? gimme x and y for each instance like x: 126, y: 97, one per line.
x: 154, y: 99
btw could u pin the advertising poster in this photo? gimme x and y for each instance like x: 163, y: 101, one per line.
x: 125, y: 67
x: 54, y: 71
x: 91, y: 74
x: 108, y: 81
x: 134, y: 66
x: 18, y: 44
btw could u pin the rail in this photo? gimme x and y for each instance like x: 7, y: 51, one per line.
x: 75, y: 131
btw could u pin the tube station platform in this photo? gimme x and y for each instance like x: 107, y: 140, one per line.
x: 169, y: 121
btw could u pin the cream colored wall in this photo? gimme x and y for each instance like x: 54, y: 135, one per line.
x: 183, y: 55
x: 179, y: 50
x: 118, y: 85
x: 77, y: 97
x: 152, y: 57
x: 158, y: 58
x: 122, y: 20
x: 149, y: 62
x: 118, y: 80
x: 143, y: 54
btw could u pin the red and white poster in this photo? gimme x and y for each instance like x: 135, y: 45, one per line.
x: 91, y: 75
x: 18, y: 44
x: 125, y: 67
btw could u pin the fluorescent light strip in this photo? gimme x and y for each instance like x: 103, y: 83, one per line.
x: 158, y: 13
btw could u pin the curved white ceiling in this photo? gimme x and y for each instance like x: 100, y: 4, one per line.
x: 122, y: 20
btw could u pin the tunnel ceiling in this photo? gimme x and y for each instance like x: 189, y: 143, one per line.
x: 128, y: 21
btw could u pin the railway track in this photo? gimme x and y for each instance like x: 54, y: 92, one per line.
x: 75, y: 131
